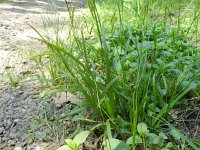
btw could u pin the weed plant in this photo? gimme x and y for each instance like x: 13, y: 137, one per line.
x: 131, y: 62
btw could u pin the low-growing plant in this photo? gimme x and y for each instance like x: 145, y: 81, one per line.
x: 127, y: 71
x: 13, y: 79
x: 76, y: 142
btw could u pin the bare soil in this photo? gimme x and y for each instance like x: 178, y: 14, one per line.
x: 22, y: 110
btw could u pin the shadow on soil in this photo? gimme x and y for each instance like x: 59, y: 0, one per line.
x: 35, y: 3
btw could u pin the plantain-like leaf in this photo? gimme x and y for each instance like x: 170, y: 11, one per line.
x: 142, y: 129
x: 115, y: 144
x: 71, y: 144
x: 138, y: 140
x: 64, y: 147
x: 152, y: 138
x: 81, y: 137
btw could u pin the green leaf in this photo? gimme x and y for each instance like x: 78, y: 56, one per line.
x: 175, y: 134
x: 176, y: 72
x: 133, y: 65
x: 64, y: 147
x: 138, y: 140
x: 118, y: 67
x: 115, y: 144
x: 129, y: 140
x: 71, y: 144
x: 152, y: 138
x: 163, y: 136
x: 185, y: 84
x: 160, y: 114
x: 171, y: 146
x: 107, y: 106
x: 196, y: 142
x: 183, y: 137
x: 142, y: 129
x: 81, y: 137
x: 109, y: 133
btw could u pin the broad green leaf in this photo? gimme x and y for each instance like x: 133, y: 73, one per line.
x: 185, y: 84
x: 133, y: 65
x: 152, y: 107
x: 171, y: 146
x: 129, y: 140
x: 142, y: 129
x: 138, y: 140
x: 166, y: 53
x: 71, y: 144
x: 115, y: 144
x: 81, y: 137
x: 160, y: 61
x: 176, y: 72
x: 64, y: 147
x: 152, y: 138
x: 163, y: 136
x: 118, y: 67
x: 160, y: 45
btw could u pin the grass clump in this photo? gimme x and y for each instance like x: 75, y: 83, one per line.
x: 130, y: 69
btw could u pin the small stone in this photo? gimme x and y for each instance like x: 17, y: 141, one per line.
x: 24, y: 143
x: 13, y: 124
x: 9, y: 123
x: 25, y: 62
x: 39, y: 148
x: 18, y: 148
x: 7, y: 48
x: 5, y: 139
x: 16, y: 120
x: 20, y: 92
x: 18, y: 87
x: 2, y: 145
x: 12, y: 134
x: 51, y: 118
x: 11, y: 143
x: 23, y: 137
x: 8, y: 148
x: 1, y: 130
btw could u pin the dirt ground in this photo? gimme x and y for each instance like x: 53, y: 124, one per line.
x: 18, y: 105
x: 15, y: 32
